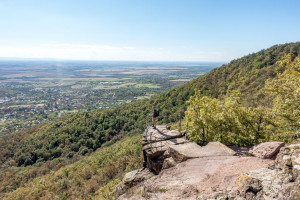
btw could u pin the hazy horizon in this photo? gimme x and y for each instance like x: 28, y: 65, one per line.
x: 125, y: 61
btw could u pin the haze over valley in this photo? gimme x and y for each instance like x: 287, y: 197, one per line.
x: 35, y: 91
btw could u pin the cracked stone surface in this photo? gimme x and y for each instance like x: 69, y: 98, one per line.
x: 189, y: 171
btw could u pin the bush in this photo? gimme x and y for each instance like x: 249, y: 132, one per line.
x: 83, y: 150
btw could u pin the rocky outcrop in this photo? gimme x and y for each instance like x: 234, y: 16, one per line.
x: 281, y: 180
x: 164, y: 148
x: 265, y: 184
x: 266, y: 150
x: 288, y: 160
x: 188, y: 171
x: 188, y: 179
x: 155, y: 144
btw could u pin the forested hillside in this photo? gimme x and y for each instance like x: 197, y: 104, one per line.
x: 230, y: 122
x: 28, y: 156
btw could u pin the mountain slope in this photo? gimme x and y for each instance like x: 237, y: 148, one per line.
x: 32, y: 153
x: 83, y: 178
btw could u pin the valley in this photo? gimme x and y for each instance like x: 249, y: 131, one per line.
x: 32, y: 92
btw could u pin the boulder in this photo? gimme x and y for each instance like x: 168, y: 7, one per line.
x: 221, y: 195
x: 182, y: 152
x: 266, y: 150
x: 156, y: 149
x: 179, y: 149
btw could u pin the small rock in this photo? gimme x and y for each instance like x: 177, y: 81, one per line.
x: 266, y: 150
x: 133, y: 178
x: 168, y: 163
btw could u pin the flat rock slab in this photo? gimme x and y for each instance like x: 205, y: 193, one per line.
x: 192, y: 150
x: 166, y: 143
x: 160, y: 133
x: 266, y: 150
x: 161, y: 146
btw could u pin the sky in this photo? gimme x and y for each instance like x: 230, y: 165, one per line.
x: 145, y: 30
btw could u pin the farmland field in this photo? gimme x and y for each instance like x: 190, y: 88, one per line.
x: 35, y: 91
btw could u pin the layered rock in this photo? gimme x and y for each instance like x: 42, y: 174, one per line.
x: 156, y: 142
x: 288, y: 160
x: 202, y: 175
x: 164, y: 148
x: 188, y: 171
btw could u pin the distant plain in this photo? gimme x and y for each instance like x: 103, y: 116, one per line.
x: 35, y: 91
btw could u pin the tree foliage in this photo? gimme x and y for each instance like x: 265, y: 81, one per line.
x: 93, y: 176
x: 286, y: 104
x: 210, y: 119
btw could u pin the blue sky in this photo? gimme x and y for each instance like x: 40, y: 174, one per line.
x: 153, y: 30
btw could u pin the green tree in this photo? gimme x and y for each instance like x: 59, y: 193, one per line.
x: 286, y: 104
x: 209, y: 119
x: 203, y: 117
